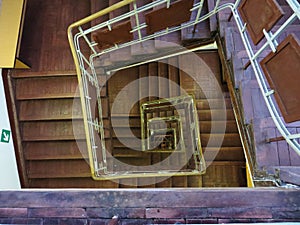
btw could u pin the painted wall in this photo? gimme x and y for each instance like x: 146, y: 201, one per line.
x: 9, y: 178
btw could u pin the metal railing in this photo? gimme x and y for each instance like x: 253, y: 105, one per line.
x: 79, y: 37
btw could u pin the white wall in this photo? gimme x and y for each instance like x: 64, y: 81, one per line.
x: 9, y: 178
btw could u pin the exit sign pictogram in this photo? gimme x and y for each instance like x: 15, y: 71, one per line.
x: 5, y: 136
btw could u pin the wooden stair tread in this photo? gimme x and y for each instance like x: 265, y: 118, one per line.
x: 215, y: 114
x: 224, y: 154
x: 46, y: 88
x: 213, y: 103
x: 229, y: 126
x: 230, y: 140
x: 54, y: 109
x: 37, y: 74
x: 52, y: 130
x: 58, y: 169
x: 55, y: 150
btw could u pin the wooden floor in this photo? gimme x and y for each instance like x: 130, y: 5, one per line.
x: 51, y: 147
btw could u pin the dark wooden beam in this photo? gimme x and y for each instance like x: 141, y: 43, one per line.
x: 13, y: 118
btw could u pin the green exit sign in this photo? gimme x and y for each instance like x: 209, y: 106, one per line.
x: 5, y: 136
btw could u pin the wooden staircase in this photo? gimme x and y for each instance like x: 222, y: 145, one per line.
x: 51, y: 145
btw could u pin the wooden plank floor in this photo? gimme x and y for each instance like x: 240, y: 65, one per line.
x: 52, y: 141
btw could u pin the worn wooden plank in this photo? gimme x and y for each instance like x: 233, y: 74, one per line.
x: 74, y: 182
x: 119, y: 122
x: 224, y: 154
x: 58, y: 168
x: 215, y: 114
x: 52, y: 130
x: 55, y: 150
x: 45, y: 88
x: 215, y: 140
x: 218, y: 126
x: 176, y: 213
x: 124, y: 132
x: 54, y: 109
x: 185, y: 198
x: 213, y: 103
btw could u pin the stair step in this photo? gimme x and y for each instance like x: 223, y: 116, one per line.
x: 42, y: 74
x: 47, y: 88
x: 122, y: 122
x: 72, y: 182
x: 128, y: 153
x: 52, y: 130
x: 55, y: 150
x: 213, y: 103
x: 50, y: 109
x: 131, y: 144
x: 125, y: 132
x: 145, y: 161
x: 215, y: 114
x: 228, y: 126
x: 58, y: 169
x: 215, y: 140
x: 224, y: 154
